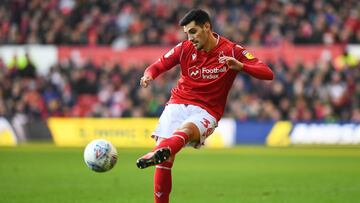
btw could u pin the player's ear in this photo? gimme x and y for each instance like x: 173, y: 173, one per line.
x: 207, y: 26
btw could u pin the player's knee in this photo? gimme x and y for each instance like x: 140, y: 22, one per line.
x: 191, y: 130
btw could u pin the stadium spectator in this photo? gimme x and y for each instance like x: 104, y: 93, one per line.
x: 131, y: 23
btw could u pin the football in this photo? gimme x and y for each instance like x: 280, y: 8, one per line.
x: 100, y: 155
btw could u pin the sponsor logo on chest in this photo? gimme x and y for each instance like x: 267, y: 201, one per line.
x: 206, y: 73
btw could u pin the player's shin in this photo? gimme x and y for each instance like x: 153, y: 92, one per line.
x: 177, y: 141
x: 166, y: 148
x: 162, y: 182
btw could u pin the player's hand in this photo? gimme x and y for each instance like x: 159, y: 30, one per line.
x: 145, y: 81
x: 232, y: 62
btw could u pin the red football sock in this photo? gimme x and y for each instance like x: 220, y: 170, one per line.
x: 162, y: 182
x: 177, y: 141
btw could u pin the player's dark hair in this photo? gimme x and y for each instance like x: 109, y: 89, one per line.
x: 199, y: 16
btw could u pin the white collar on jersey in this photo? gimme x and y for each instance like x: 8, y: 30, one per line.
x: 217, y: 38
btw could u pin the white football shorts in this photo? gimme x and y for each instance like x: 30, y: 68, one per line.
x: 175, y: 115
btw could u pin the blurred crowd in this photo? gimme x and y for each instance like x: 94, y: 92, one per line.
x: 129, y: 23
x: 299, y: 92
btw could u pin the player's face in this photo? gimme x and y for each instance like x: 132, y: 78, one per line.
x: 196, y: 34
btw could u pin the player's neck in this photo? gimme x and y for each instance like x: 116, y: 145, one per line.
x: 211, y: 43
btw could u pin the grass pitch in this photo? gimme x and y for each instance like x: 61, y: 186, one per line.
x: 247, y: 174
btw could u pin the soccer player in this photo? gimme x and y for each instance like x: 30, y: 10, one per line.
x: 209, y: 64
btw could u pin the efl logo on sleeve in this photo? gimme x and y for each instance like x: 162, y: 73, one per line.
x: 247, y: 54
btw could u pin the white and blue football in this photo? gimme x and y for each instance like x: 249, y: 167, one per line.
x: 100, y: 155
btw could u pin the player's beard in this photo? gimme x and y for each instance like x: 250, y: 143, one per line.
x: 198, y: 46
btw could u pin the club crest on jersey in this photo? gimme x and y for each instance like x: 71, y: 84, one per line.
x: 247, y: 54
x: 194, y: 72
x: 221, y: 54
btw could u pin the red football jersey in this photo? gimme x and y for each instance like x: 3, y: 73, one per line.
x: 205, y: 80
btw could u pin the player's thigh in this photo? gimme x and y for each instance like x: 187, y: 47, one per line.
x: 171, y: 118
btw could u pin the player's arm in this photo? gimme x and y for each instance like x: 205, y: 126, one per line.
x: 246, y: 62
x: 166, y: 62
